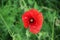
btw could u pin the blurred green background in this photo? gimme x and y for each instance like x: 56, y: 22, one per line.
x: 11, y: 25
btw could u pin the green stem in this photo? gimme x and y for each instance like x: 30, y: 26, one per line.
x: 53, y: 30
x: 24, y: 5
x: 6, y: 24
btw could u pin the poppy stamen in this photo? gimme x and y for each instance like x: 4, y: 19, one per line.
x: 31, y: 20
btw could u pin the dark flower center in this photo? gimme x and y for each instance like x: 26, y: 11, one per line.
x: 31, y: 20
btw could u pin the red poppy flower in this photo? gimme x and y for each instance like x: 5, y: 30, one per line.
x: 33, y: 19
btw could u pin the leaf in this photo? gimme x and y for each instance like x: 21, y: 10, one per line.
x: 36, y: 6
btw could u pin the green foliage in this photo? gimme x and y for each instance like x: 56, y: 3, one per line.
x: 11, y: 25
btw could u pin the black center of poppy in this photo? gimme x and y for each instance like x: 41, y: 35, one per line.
x: 31, y: 20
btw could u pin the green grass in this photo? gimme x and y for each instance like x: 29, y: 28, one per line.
x: 11, y: 25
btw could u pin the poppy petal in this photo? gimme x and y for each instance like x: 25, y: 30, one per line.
x: 35, y: 29
x: 25, y: 18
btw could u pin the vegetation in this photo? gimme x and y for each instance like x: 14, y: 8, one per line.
x: 11, y: 25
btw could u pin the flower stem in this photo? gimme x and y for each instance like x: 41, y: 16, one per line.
x: 6, y: 25
x: 53, y: 30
